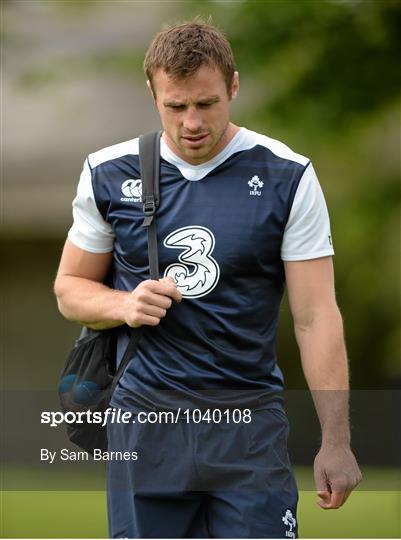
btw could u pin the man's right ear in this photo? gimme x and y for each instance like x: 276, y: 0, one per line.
x: 149, y: 85
x: 235, y: 85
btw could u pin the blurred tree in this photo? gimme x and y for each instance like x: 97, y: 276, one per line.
x: 317, y: 63
x: 324, y: 77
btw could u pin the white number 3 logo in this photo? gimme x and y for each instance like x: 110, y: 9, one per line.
x: 197, y: 273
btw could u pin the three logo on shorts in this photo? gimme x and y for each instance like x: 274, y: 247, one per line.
x: 290, y: 522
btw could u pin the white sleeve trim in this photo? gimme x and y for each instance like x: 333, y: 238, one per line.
x: 308, y: 256
x: 89, y: 230
x: 307, y: 233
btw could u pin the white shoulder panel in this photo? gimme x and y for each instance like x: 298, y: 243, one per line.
x: 89, y: 230
x: 277, y: 147
x: 113, y: 152
x: 307, y: 233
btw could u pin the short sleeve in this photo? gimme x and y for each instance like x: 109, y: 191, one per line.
x: 89, y: 230
x: 307, y: 233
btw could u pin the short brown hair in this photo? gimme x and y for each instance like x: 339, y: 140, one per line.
x: 182, y: 49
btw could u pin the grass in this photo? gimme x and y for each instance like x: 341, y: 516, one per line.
x: 72, y: 514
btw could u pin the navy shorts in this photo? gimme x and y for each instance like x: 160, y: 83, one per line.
x: 203, y: 480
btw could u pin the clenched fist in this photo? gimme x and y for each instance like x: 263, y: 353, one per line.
x: 149, y: 302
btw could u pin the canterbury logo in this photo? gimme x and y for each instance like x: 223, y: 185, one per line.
x: 132, y: 190
x: 196, y: 273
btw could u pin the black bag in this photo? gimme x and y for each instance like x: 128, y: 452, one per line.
x: 90, y: 375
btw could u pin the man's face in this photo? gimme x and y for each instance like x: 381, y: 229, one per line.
x: 194, y: 112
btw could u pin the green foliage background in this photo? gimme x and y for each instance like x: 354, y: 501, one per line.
x: 323, y: 76
x: 326, y: 81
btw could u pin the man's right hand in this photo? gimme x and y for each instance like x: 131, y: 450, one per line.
x: 83, y: 297
x: 149, y: 302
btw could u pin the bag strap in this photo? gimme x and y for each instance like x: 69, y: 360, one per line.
x: 149, y: 160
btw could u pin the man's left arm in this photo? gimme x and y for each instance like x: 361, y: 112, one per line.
x: 319, y: 334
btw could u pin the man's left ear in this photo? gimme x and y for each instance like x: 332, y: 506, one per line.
x: 235, y: 85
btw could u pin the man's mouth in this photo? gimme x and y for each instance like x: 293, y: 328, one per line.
x: 195, y: 140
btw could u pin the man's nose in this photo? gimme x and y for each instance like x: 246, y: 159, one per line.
x: 192, y: 120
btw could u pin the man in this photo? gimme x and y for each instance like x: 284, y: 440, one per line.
x: 240, y: 215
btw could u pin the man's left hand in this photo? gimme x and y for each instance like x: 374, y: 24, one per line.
x: 336, y: 475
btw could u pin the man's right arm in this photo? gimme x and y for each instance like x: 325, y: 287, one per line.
x: 82, y: 296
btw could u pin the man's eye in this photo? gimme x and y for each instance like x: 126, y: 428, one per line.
x: 205, y: 105
x: 177, y: 107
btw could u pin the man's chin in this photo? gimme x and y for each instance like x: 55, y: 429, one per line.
x: 195, y: 158
x: 198, y: 155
